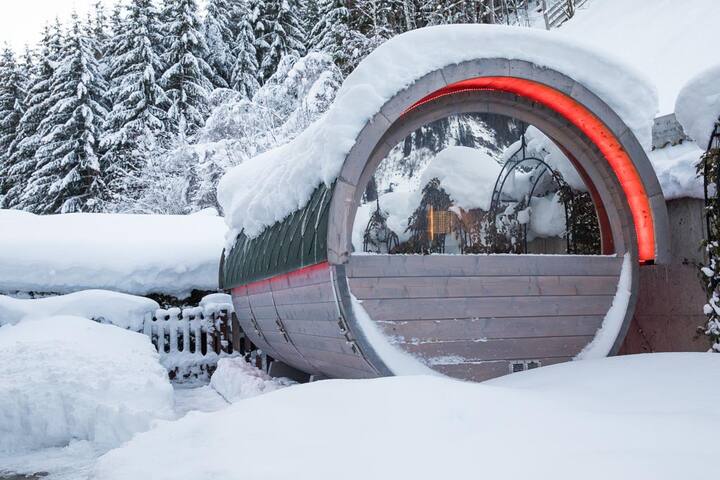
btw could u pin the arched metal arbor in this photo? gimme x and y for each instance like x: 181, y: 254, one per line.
x: 304, y: 297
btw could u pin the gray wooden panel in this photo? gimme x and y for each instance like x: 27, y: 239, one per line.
x: 499, y: 349
x: 261, y: 300
x: 311, y: 311
x: 265, y: 311
x: 311, y: 327
x: 299, y: 278
x: 481, y: 371
x: 439, y: 308
x: 318, y: 293
x: 481, y: 265
x: 477, y: 328
x: 330, y: 359
x: 500, y: 286
x: 325, y: 344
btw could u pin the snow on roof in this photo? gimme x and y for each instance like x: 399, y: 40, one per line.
x: 265, y: 189
x: 698, y: 105
x: 668, y: 40
x: 138, y: 254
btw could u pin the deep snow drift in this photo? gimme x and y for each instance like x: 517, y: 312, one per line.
x: 139, y: 254
x: 67, y: 378
x: 265, y: 189
x: 645, y: 416
x: 235, y: 379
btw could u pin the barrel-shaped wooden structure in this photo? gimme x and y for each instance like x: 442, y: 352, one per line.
x: 304, y: 297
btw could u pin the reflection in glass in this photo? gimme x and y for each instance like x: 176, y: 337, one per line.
x: 476, y: 183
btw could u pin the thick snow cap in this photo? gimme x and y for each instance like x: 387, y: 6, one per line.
x: 269, y: 187
x: 697, y: 107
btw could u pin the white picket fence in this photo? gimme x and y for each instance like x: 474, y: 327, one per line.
x: 194, y: 330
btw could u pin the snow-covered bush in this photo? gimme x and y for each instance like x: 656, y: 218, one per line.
x: 68, y: 378
x: 236, y: 379
x: 119, y: 309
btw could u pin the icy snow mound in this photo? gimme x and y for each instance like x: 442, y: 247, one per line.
x: 668, y: 40
x: 235, y: 379
x: 68, y: 378
x: 644, y: 416
x: 466, y: 174
x: 675, y: 168
x: 265, y: 189
x: 119, y: 309
x: 138, y: 254
x: 698, y: 105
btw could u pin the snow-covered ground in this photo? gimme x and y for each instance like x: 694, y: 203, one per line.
x: 138, y: 254
x: 646, y: 416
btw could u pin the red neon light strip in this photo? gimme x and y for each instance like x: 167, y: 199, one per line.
x: 282, y: 276
x: 592, y: 127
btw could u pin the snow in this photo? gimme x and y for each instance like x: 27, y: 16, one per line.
x: 398, y: 361
x: 138, y: 254
x: 697, y: 107
x: 265, y: 189
x: 122, y: 310
x: 66, y: 378
x: 642, y: 416
x: 466, y: 174
x: 547, y: 217
x: 612, y: 323
x: 675, y: 168
x: 235, y: 379
x: 668, y: 40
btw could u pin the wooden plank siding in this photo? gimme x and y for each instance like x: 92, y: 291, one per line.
x: 472, y: 316
x: 299, y: 322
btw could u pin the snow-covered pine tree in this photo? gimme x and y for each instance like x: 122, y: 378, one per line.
x: 244, y: 74
x: 67, y: 177
x: 284, y: 35
x: 260, y: 16
x: 332, y: 33
x: 11, y: 111
x: 137, y: 121
x: 220, y: 39
x: 187, y: 79
x: 37, y: 103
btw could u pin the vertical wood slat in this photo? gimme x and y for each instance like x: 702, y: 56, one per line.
x: 160, y: 330
x: 191, y: 331
x: 172, y: 325
x: 185, y: 325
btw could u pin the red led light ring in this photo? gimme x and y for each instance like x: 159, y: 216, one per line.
x: 592, y: 127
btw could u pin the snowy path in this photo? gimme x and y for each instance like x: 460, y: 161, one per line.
x: 75, y: 461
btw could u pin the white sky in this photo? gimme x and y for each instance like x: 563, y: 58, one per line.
x: 21, y: 21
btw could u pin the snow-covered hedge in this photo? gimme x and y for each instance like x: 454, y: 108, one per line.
x: 119, y: 309
x: 138, y: 254
x: 267, y: 188
x: 66, y: 378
